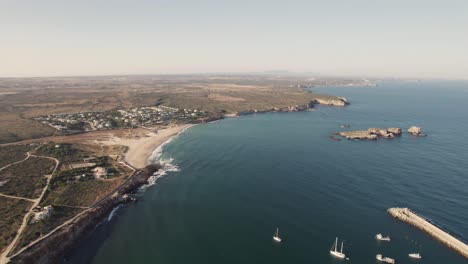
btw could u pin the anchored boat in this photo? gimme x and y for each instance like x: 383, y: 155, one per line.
x: 276, y: 236
x: 334, y: 250
x: 382, y: 238
x: 380, y: 257
x: 415, y: 255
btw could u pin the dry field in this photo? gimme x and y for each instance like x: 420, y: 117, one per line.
x: 24, y: 98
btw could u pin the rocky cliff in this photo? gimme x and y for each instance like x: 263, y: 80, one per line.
x: 53, y: 248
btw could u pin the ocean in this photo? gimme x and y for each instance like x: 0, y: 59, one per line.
x: 231, y: 183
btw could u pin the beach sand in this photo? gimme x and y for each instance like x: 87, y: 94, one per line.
x: 141, y: 146
x: 140, y: 142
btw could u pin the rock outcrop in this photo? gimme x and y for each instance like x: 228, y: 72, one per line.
x: 414, y: 130
x: 394, y: 130
x: 338, y: 101
x: 371, y: 133
x: 358, y: 134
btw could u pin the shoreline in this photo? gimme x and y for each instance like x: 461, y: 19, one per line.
x: 140, y: 151
x: 142, y: 145
x: 141, y: 148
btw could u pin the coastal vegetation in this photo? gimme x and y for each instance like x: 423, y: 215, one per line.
x: 35, y: 230
x: 11, y: 214
x: 13, y: 153
x: 80, y: 193
x: 26, y: 179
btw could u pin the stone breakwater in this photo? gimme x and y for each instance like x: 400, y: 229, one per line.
x: 408, y: 216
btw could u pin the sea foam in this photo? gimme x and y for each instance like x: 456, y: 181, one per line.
x: 167, y: 165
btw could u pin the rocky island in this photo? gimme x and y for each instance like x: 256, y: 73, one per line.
x: 371, y: 133
x: 374, y: 133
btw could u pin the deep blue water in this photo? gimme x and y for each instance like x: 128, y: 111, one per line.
x: 240, y: 178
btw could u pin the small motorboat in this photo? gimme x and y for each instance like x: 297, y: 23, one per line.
x: 415, y: 255
x: 380, y: 257
x: 382, y: 238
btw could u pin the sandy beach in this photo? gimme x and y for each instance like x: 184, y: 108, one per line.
x: 141, y: 146
x: 140, y: 142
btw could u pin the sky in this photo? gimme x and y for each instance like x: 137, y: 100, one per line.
x: 366, y: 38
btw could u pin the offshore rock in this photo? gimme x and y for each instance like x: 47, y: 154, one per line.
x: 377, y: 131
x: 394, y: 130
x: 372, y: 133
x: 358, y: 134
x: 415, y: 130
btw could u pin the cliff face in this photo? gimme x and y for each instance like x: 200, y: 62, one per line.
x: 53, y: 248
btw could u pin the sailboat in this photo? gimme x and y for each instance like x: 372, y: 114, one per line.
x: 334, y: 250
x: 276, y: 236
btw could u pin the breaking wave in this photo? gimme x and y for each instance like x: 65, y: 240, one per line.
x: 113, y: 212
x: 167, y: 165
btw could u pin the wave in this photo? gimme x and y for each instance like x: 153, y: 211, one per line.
x: 113, y: 212
x: 167, y: 165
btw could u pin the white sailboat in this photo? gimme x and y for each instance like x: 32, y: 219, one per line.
x: 276, y: 236
x: 334, y: 251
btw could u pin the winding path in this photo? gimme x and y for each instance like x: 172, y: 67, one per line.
x: 4, y: 256
x: 11, y: 164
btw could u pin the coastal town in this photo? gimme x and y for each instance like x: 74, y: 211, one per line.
x: 123, y: 118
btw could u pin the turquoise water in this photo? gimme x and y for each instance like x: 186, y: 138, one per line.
x: 240, y: 178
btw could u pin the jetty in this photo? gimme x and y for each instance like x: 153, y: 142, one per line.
x: 408, y: 216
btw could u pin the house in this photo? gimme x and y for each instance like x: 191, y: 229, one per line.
x: 99, y: 172
x: 42, y: 214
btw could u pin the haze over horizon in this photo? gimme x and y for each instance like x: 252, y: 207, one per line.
x: 402, y: 39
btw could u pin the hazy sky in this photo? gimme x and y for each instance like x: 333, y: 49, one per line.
x: 407, y: 38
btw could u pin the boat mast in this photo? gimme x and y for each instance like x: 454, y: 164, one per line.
x: 336, y: 244
x: 341, y: 246
x: 277, y: 232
